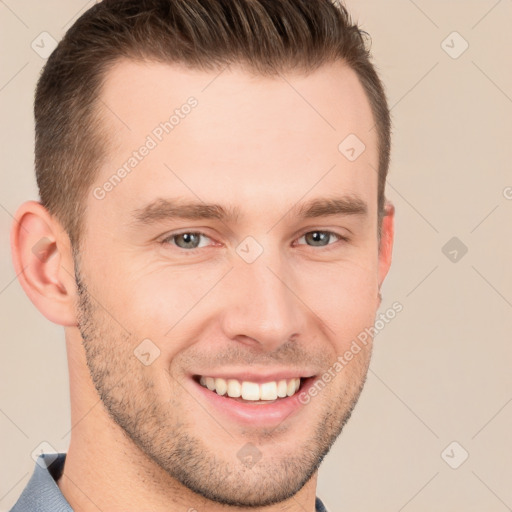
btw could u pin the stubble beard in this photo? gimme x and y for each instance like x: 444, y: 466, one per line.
x: 160, y: 431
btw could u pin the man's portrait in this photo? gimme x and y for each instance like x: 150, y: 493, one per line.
x: 249, y: 257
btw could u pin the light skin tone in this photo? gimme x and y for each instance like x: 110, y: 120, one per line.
x: 153, y: 441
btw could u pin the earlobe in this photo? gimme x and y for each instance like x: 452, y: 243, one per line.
x: 386, y: 242
x: 43, y: 262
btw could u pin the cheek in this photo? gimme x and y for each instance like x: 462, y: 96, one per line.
x: 345, y: 297
x: 166, y: 297
x: 141, y: 297
x: 161, y: 305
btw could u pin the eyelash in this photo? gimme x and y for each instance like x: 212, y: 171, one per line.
x: 166, y: 240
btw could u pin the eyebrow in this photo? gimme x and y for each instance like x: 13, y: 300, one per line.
x: 324, y: 207
x: 166, y: 209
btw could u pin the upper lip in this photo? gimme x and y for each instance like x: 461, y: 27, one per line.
x: 258, y: 377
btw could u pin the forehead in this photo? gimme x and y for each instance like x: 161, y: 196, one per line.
x: 231, y: 135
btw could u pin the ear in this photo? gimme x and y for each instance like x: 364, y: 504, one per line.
x: 42, y: 257
x: 386, y: 241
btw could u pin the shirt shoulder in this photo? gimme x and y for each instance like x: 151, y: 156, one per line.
x: 42, y: 494
x: 319, y: 506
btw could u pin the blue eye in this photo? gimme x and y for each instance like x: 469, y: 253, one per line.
x: 191, y: 240
x: 320, y: 238
x: 186, y: 240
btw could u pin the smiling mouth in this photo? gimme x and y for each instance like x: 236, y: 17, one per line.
x: 251, y: 392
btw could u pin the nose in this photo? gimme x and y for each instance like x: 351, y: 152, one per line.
x: 262, y: 310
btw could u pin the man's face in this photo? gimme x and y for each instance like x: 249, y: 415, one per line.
x: 267, y: 295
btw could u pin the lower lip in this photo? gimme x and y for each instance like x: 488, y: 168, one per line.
x: 258, y: 415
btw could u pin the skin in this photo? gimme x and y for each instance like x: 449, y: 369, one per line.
x: 142, y: 437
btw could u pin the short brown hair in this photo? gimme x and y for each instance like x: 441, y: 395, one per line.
x: 267, y: 36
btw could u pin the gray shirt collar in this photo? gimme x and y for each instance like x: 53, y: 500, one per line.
x: 42, y: 493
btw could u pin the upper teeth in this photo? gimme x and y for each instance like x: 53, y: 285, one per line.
x: 252, y: 390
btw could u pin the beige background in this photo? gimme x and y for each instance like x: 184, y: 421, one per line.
x: 441, y: 368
